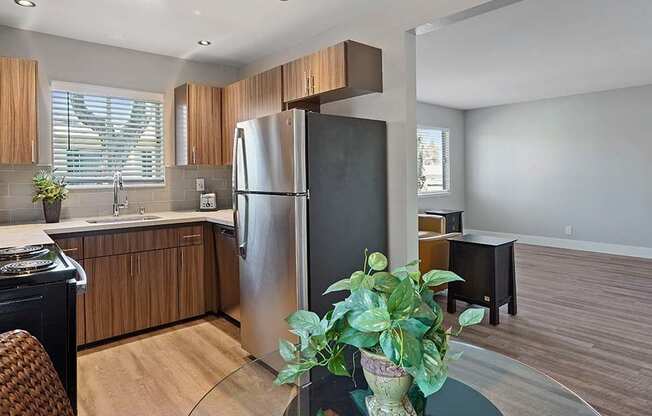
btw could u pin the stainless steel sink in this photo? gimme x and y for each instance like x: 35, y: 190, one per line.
x: 126, y: 218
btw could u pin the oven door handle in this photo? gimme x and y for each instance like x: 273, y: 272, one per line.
x: 82, y: 280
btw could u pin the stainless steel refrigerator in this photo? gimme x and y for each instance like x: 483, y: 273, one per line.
x: 310, y: 194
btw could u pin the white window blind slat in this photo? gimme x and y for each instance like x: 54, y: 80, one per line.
x: 433, y: 165
x: 94, y: 135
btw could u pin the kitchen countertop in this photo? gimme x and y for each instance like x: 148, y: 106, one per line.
x: 38, y: 233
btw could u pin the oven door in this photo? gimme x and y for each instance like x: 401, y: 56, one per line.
x: 45, y: 312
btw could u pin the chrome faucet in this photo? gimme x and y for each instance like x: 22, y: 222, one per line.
x: 117, y: 185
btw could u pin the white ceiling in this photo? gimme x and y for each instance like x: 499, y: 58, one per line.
x: 241, y: 31
x: 536, y: 49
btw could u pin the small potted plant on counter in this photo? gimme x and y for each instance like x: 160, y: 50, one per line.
x: 51, y: 191
x: 395, y: 323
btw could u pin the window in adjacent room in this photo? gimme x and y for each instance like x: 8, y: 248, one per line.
x: 433, y: 166
x: 97, y: 131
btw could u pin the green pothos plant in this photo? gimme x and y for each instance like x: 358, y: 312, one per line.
x: 389, y: 313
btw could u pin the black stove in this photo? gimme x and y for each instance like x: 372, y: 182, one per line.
x: 17, y: 253
x: 27, y: 266
x: 34, y: 264
x: 38, y: 291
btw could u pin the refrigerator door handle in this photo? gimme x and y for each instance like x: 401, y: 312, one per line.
x: 239, y: 136
x: 242, y: 246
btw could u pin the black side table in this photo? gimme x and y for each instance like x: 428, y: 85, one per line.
x: 487, y: 266
x: 453, y: 219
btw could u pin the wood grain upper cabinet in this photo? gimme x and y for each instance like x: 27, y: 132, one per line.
x: 329, y: 69
x: 231, y: 112
x: 296, y: 78
x: 257, y: 96
x: 198, y: 115
x: 345, y: 70
x: 191, y: 281
x: 18, y: 111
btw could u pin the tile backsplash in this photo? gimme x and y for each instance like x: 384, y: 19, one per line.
x: 178, y: 194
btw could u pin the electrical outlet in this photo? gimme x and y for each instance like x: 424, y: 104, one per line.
x: 199, y: 185
x: 568, y: 230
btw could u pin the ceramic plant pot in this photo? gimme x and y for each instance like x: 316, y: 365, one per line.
x: 390, y: 385
x: 52, y: 211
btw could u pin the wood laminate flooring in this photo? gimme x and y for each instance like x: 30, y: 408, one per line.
x: 165, y: 372
x: 584, y: 319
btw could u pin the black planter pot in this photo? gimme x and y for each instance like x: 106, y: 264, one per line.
x: 52, y: 211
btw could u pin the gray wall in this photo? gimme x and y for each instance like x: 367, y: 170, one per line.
x: 583, y: 160
x: 62, y: 59
x: 429, y: 115
x: 179, y: 194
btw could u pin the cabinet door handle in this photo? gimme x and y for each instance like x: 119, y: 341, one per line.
x: 131, y: 266
x: 194, y: 158
x: 33, y: 153
x: 68, y: 250
x: 191, y: 236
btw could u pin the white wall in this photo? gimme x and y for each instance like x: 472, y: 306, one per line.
x: 429, y: 115
x: 387, y: 29
x: 62, y: 59
x: 583, y: 160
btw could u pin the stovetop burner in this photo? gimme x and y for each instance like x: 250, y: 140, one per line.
x: 21, y: 252
x: 27, y: 266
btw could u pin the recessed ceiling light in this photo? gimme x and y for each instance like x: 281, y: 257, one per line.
x: 204, y: 42
x: 25, y: 3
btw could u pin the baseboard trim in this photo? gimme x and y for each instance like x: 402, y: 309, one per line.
x: 617, y: 249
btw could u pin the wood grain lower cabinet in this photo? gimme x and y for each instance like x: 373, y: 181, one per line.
x: 18, y: 111
x: 228, y: 276
x: 162, y: 278
x: 114, y: 243
x: 117, y: 299
x: 191, y: 281
x: 160, y: 268
x: 103, y: 315
x: 137, y: 296
x: 71, y: 246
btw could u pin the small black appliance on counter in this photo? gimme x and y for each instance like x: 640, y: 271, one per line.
x: 38, y: 289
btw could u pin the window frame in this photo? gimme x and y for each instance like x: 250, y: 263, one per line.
x: 448, y: 182
x: 99, y: 90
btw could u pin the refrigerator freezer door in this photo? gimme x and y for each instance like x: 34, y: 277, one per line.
x: 269, y: 154
x: 270, y: 231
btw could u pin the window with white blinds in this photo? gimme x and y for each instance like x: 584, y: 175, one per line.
x: 97, y: 131
x: 433, y: 167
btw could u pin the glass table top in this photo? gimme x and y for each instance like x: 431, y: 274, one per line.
x: 482, y: 382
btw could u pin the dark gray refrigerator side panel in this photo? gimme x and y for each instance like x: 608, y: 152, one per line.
x: 347, y: 209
